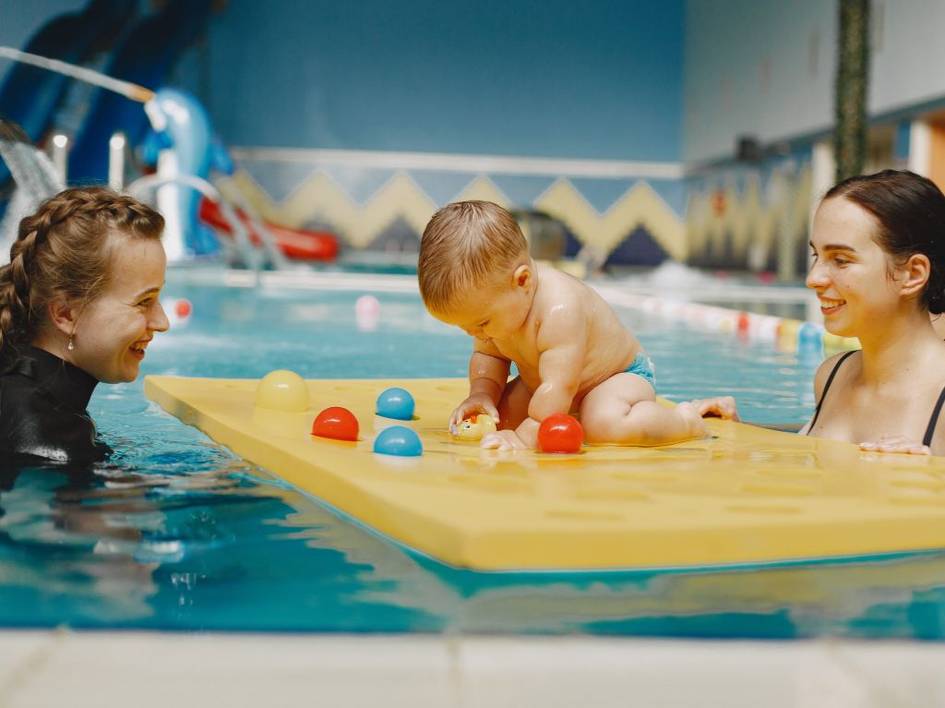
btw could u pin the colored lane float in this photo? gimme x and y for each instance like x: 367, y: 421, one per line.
x: 787, y: 334
x: 741, y: 496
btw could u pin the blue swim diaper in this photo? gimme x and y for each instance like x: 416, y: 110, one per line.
x: 643, y: 366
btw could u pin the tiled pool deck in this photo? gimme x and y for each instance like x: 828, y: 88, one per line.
x: 103, y: 669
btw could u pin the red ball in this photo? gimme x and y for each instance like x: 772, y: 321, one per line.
x: 560, y: 432
x: 336, y: 423
x: 183, y: 308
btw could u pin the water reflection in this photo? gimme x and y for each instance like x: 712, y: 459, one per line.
x: 231, y: 548
x: 874, y: 598
x: 65, y: 539
x: 176, y: 533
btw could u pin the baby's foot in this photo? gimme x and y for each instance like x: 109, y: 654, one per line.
x: 692, y: 419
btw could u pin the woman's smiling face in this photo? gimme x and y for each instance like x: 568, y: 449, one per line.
x: 850, y: 271
x: 113, y: 331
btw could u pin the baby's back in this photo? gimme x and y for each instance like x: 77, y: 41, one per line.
x: 609, y: 347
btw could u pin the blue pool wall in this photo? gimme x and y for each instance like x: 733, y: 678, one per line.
x: 635, y: 107
x: 523, y: 80
x: 534, y: 78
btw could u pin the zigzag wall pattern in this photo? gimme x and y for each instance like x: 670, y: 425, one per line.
x: 762, y: 224
x: 319, y: 198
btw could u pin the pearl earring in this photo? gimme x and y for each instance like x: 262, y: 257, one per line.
x: 71, y: 345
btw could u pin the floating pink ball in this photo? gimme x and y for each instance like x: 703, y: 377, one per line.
x: 367, y: 305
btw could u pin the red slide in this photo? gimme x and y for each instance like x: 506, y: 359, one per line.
x: 297, y: 244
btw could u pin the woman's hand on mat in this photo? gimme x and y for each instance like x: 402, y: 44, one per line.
x: 475, y: 404
x: 503, y: 440
x: 721, y: 407
x: 896, y: 443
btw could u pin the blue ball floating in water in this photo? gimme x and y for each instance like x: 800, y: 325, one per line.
x: 398, y: 440
x: 395, y: 403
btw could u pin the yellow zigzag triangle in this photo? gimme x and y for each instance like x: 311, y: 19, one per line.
x: 746, y: 218
x: 640, y: 205
x: 320, y: 197
x: 484, y: 189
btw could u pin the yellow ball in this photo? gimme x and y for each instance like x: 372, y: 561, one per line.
x: 282, y: 390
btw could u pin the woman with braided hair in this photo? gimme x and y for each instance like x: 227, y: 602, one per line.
x: 78, y: 305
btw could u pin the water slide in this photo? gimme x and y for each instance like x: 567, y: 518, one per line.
x: 295, y: 244
x: 144, y: 56
x: 131, y: 99
x: 34, y: 177
x: 29, y: 96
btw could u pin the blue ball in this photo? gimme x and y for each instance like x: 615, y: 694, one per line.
x: 395, y: 403
x: 398, y: 440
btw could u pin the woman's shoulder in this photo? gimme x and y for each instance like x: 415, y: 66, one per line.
x: 32, y: 422
x: 824, y: 371
x: 16, y: 376
x: 35, y: 421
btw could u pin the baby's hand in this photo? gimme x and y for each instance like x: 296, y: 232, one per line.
x: 475, y: 404
x: 722, y: 407
x: 503, y: 440
x: 896, y: 443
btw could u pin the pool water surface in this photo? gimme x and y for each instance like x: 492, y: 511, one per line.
x: 175, y: 532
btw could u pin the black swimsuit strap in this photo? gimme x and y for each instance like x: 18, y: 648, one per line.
x: 933, y: 421
x: 823, y: 394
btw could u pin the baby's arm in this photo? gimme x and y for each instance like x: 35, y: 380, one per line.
x: 488, y: 374
x: 561, y: 343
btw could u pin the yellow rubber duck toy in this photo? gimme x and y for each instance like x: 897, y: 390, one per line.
x: 474, y: 428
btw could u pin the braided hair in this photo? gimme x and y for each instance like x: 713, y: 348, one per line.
x: 64, y: 250
x: 910, y: 211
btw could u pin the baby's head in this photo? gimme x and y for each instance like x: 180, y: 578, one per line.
x: 474, y: 269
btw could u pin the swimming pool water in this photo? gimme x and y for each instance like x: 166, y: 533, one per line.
x: 177, y: 533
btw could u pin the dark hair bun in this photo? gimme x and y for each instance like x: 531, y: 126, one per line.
x: 937, y: 302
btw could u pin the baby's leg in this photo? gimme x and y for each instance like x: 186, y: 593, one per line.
x: 513, y: 406
x: 623, y: 410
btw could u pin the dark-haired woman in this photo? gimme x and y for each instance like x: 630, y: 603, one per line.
x: 78, y: 305
x: 879, y: 271
x: 878, y: 249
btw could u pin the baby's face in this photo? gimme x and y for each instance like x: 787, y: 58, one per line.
x: 491, y: 313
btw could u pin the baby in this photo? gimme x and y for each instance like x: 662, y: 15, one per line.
x: 573, y: 354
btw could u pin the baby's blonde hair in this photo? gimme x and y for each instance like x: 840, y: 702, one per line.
x: 464, y: 245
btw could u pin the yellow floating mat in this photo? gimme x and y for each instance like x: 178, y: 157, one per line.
x: 744, y: 496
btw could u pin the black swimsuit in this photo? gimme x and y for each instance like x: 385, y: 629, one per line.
x: 43, y: 412
x: 933, y: 421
